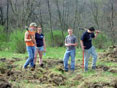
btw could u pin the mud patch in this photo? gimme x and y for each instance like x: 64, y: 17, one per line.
x: 40, y: 75
x: 4, y: 83
x: 110, y: 54
x: 99, y: 84
x: 102, y: 67
x: 113, y: 70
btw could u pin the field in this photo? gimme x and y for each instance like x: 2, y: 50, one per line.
x: 52, y: 75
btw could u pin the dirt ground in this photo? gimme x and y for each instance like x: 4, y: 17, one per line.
x: 45, y: 75
x: 110, y: 54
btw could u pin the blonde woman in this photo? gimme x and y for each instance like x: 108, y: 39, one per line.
x: 40, y: 45
x: 30, y: 45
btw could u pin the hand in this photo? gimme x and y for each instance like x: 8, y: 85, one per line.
x: 69, y: 44
x: 44, y: 50
x: 36, y: 47
x: 29, y: 39
x: 97, y: 31
x: 83, y: 48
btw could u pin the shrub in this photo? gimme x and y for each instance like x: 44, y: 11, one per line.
x: 17, y: 43
x: 3, y: 38
x: 102, y: 41
x: 58, y: 38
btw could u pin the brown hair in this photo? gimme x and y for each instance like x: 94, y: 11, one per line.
x: 37, y: 28
x: 70, y: 29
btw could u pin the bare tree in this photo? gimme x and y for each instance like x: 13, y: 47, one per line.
x: 111, y: 21
x: 61, y: 20
x: 49, y: 10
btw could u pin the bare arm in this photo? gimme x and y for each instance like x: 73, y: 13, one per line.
x: 82, y: 45
x: 97, y: 32
x: 67, y: 44
x: 75, y: 44
x: 26, y: 37
x: 71, y: 44
x: 44, y: 44
x: 32, y: 38
x: 34, y: 41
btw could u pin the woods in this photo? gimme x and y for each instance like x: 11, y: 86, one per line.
x: 48, y: 43
x: 60, y: 15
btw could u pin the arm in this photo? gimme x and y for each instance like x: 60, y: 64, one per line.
x: 66, y: 44
x: 82, y: 45
x: 75, y: 44
x: 34, y: 41
x: 26, y: 37
x: 32, y: 38
x: 44, y: 44
x: 71, y: 44
x: 96, y: 33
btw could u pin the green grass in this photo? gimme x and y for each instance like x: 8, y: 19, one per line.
x: 107, y: 63
x: 54, y: 53
x: 9, y: 55
x: 58, y: 53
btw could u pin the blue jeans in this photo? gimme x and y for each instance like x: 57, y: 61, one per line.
x: 31, y: 53
x: 87, y: 53
x: 66, y: 58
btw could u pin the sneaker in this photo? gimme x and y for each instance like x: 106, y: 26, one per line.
x: 41, y: 65
x: 93, y: 67
x: 86, y: 69
x: 34, y: 66
x: 65, y: 70
x: 32, y: 69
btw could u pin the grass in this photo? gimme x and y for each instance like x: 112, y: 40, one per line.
x: 9, y: 55
x: 58, y: 53
x: 54, y: 53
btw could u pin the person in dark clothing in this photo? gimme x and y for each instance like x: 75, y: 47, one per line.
x: 40, y: 45
x: 88, y: 48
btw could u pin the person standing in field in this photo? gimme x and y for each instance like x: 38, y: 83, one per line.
x: 70, y: 43
x: 88, y: 48
x: 30, y: 45
x: 41, y: 45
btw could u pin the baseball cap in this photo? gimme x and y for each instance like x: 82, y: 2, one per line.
x: 33, y: 24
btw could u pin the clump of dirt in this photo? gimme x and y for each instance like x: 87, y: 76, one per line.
x: 110, y: 54
x: 6, y: 65
x: 51, y: 62
x: 40, y: 75
x: 113, y: 70
x: 4, y: 83
x: 103, y: 67
x: 78, y: 77
x: 3, y: 67
x: 46, y: 76
x: 108, y: 83
x: 60, y: 68
x: 56, y: 79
